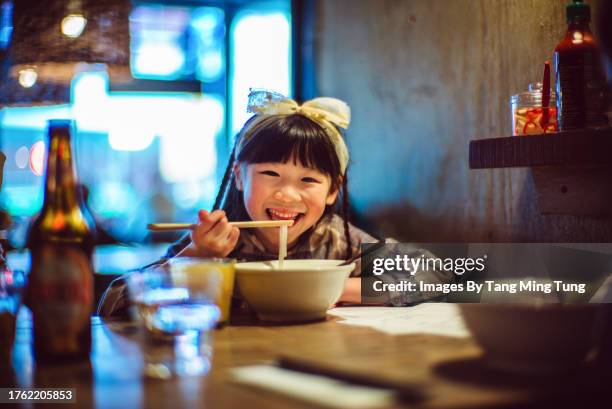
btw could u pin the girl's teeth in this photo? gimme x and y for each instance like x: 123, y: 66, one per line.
x: 282, y: 215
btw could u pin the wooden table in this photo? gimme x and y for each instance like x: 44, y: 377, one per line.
x: 449, y: 369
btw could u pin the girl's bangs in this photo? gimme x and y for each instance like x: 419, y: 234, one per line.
x: 293, y: 138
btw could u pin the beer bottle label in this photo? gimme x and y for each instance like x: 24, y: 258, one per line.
x: 61, y: 288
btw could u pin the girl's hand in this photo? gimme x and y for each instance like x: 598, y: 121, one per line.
x: 214, y: 236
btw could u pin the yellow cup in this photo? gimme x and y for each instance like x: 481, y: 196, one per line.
x: 212, y: 276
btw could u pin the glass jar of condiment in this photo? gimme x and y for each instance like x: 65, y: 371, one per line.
x: 528, y: 115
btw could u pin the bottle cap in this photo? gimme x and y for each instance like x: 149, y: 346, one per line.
x: 578, y: 10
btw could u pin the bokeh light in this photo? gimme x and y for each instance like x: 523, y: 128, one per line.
x: 22, y: 157
x: 37, y: 158
x: 73, y: 25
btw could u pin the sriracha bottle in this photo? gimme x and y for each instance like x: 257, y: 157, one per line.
x: 580, y: 79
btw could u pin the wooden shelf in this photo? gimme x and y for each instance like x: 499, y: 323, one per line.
x: 572, y: 171
x: 578, y: 148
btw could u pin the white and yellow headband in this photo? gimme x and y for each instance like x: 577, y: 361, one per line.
x: 327, y: 112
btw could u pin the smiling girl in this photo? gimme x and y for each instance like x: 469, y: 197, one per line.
x: 289, y: 163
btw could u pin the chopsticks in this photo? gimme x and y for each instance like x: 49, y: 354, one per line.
x: 241, y: 225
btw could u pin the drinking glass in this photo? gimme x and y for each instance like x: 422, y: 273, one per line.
x: 199, y: 271
x: 171, y: 309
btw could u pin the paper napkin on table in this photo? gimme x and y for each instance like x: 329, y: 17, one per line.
x: 317, y: 389
x: 427, y: 318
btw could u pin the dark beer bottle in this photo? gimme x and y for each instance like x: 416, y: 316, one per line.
x: 61, y: 241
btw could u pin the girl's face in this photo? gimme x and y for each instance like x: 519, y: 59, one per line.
x: 283, y: 191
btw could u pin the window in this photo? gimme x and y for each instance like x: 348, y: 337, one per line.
x: 156, y: 152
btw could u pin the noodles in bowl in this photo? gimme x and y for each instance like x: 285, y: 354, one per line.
x: 299, y: 290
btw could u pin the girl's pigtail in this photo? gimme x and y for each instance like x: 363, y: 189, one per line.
x: 224, y: 182
x: 345, y: 217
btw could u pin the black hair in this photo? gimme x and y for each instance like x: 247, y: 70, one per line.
x: 282, y: 139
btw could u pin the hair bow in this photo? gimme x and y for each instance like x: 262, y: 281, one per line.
x: 272, y: 103
x: 327, y: 112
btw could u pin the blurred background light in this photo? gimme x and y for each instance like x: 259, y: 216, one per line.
x: 129, y: 138
x: 27, y: 77
x: 210, y: 66
x: 110, y: 199
x: 22, y: 157
x: 157, y: 41
x: 261, y: 58
x: 6, y: 23
x: 187, y: 194
x: 208, y: 25
x: 206, y: 20
x: 188, y: 147
x: 162, y: 59
x: 89, y: 87
x: 22, y: 200
x: 73, y: 25
x: 37, y: 158
x: 33, y: 118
